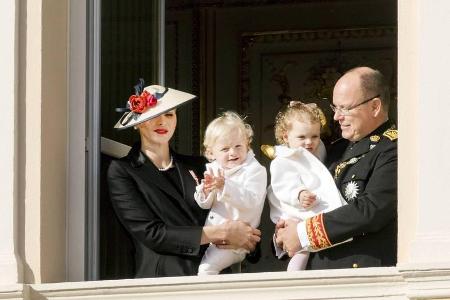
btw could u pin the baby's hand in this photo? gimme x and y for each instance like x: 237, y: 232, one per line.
x: 213, y: 182
x: 306, y: 198
x: 207, y: 182
x: 219, y: 180
x: 207, y: 178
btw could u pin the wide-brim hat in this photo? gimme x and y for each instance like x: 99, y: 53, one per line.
x: 154, y: 100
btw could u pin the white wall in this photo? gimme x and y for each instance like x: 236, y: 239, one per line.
x: 10, y: 267
x: 430, y: 127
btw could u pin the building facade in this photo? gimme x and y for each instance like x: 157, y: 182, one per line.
x: 48, y: 76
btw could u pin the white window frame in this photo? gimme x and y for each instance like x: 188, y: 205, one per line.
x: 76, y: 144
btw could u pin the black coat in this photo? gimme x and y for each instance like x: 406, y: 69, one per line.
x: 163, y: 219
x: 366, y: 175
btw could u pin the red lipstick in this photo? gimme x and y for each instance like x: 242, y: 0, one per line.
x: 161, y: 131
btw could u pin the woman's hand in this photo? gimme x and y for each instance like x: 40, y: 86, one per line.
x: 239, y: 235
x: 232, y: 235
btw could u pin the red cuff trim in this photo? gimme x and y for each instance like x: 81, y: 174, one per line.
x: 317, y: 234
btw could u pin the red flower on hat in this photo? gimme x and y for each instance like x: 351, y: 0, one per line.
x: 151, y: 99
x: 140, y: 103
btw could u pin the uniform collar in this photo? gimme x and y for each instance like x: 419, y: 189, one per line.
x: 367, y: 143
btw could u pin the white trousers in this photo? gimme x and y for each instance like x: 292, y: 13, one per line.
x: 215, y: 259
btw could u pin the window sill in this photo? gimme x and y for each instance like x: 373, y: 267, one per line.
x: 404, y: 282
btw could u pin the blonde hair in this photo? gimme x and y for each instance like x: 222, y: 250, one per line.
x: 226, y: 123
x: 296, y: 110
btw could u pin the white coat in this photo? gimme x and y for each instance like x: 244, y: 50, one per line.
x: 294, y: 170
x: 242, y: 197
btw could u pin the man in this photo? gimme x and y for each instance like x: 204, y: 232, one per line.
x: 366, y: 175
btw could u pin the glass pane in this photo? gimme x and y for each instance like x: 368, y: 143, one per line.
x: 128, y: 53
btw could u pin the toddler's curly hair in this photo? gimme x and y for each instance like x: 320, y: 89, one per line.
x: 223, y: 125
x: 296, y: 110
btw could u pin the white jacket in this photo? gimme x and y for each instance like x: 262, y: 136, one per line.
x: 294, y: 170
x: 242, y: 197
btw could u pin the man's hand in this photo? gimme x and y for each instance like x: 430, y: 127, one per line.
x: 280, y: 224
x: 287, y: 237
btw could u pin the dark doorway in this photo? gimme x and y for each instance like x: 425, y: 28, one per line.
x: 243, y: 55
x: 254, y: 56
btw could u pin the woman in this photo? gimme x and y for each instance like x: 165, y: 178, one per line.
x: 152, y: 192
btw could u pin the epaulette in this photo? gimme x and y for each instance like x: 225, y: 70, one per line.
x: 391, y: 134
x: 269, y: 151
x: 374, y: 138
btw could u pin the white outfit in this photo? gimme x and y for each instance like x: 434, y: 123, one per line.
x: 242, y: 198
x: 295, y: 170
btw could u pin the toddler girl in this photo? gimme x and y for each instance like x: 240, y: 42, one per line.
x: 301, y: 186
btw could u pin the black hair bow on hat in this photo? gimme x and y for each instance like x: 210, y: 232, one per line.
x: 138, y: 89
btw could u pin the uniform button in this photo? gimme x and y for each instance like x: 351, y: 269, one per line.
x: 355, y: 265
x: 353, y: 176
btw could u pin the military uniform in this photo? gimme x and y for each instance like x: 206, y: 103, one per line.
x: 366, y: 175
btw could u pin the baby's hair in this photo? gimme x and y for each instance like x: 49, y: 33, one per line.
x: 226, y: 123
x: 302, y: 112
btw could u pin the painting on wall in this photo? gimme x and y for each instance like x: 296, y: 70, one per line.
x: 277, y: 67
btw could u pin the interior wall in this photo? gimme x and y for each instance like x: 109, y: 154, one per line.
x: 248, y: 56
x: 254, y: 56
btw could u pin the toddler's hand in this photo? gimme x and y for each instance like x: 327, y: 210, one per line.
x: 213, y: 182
x: 306, y: 198
x: 207, y: 183
x: 219, y: 180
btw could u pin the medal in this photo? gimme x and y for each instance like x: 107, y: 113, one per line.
x: 351, y: 190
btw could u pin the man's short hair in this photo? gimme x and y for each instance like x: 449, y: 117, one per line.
x: 374, y: 83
